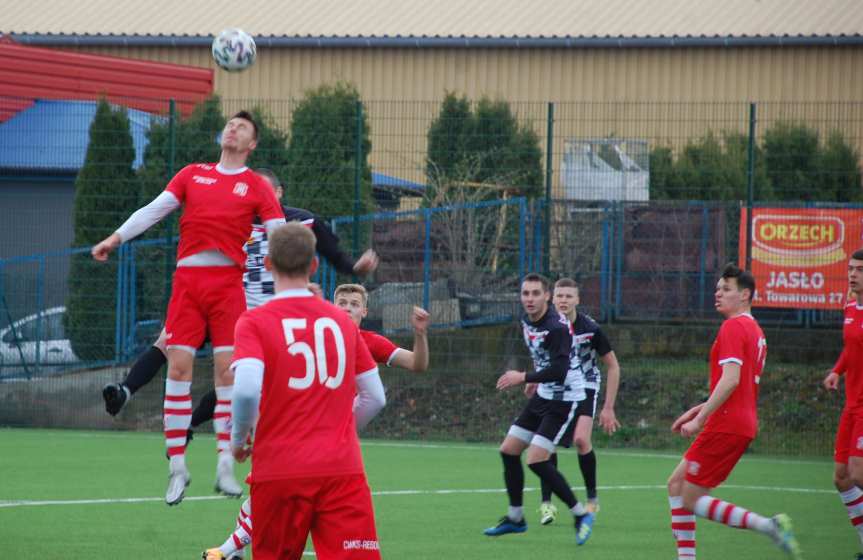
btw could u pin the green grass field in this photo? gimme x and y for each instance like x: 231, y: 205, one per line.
x: 84, y: 495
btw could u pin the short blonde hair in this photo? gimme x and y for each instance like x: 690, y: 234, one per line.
x: 566, y: 283
x: 292, y: 249
x: 352, y: 289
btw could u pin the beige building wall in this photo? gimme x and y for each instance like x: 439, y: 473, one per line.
x: 666, y: 96
x: 678, y: 74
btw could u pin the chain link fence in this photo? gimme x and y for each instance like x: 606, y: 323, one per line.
x: 642, y: 203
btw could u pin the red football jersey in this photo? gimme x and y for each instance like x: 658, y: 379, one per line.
x: 383, y: 350
x: 219, y: 207
x: 742, y: 341
x: 850, y: 362
x: 312, y: 353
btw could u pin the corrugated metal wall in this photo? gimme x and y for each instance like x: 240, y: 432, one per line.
x: 702, y: 74
x: 671, y: 95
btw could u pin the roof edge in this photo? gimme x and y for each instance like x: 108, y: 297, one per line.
x: 445, y: 42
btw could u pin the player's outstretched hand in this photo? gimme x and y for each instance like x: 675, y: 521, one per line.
x: 510, y: 379
x: 101, y: 250
x: 608, y: 420
x: 420, y: 320
x: 691, y: 428
x: 367, y: 263
x: 685, y: 417
x: 831, y: 382
x: 529, y: 389
x: 241, y: 453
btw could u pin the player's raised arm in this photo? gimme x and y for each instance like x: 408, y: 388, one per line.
x: 139, y: 222
x: 418, y: 359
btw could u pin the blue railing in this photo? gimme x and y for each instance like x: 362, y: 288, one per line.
x: 30, y: 284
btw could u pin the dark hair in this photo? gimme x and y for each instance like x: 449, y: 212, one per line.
x: 857, y: 255
x: 534, y: 277
x: 245, y: 115
x: 269, y: 174
x: 745, y: 280
x: 566, y: 283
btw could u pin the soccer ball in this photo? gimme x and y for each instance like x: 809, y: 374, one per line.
x: 234, y: 50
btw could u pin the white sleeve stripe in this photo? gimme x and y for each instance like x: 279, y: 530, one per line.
x: 392, y: 356
x: 724, y: 361
x: 247, y: 361
x: 145, y: 217
x: 367, y: 373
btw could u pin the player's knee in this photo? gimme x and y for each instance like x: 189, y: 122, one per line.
x: 855, y: 477
x: 689, y: 500
x: 675, y: 484
x: 582, y: 444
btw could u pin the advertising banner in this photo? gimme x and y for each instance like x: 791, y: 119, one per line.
x: 800, y: 255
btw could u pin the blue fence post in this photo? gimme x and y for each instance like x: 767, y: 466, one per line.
x: 604, y: 260
x: 427, y: 212
x: 537, y: 238
x: 118, y: 313
x: 132, y: 320
x: 702, y: 265
x: 620, y: 211
x: 40, y: 305
x: 522, y: 235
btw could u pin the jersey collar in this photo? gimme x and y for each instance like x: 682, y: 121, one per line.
x: 296, y: 292
x: 225, y: 171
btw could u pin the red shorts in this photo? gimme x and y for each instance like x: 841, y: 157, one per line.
x: 336, y: 510
x: 205, y: 299
x: 712, y: 456
x: 849, y: 437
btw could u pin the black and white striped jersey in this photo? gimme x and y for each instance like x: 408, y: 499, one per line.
x: 552, y: 336
x: 258, y: 282
x: 588, y: 342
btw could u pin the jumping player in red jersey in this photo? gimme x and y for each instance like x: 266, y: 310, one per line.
x: 725, y: 424
x: 848, y: 454
x: 353, y: 299
x: 299, y: 362
x: 219, y: 201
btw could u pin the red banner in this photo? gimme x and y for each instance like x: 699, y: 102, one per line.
x: 800, y: 256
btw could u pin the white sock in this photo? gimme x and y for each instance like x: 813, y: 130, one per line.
x: 578, y: 509
x: 515, y: 513
x: 731, y: 515
x: 853, y: 500
x: 222, y: 419
x: 177, y: 417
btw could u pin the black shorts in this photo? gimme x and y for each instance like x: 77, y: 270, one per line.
x: 545, y: 423
x: 587, y: 407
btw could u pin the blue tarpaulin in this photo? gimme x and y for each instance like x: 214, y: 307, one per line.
x: 53, y: 136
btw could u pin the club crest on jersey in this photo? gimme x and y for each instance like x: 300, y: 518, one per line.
x: 693, y: 468
x: 240, y: 189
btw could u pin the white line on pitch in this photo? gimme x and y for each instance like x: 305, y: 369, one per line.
x: 469, y: 447
x: 23, y: 503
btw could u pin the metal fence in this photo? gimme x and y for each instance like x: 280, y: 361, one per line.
x: 642, y: 203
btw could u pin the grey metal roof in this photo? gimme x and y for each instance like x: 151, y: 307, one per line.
x: 443, y: 23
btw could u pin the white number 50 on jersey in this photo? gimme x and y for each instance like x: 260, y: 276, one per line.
x: 316, y: 361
